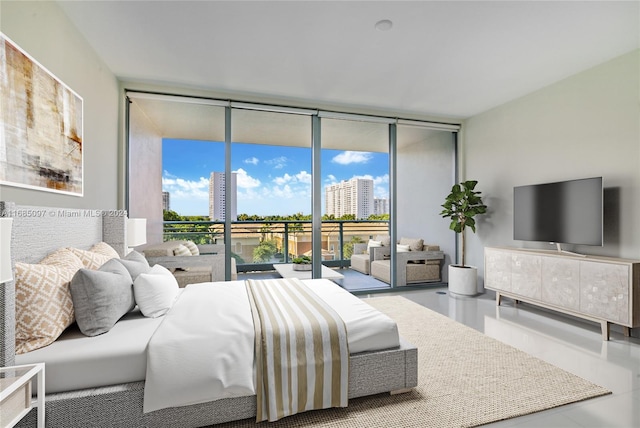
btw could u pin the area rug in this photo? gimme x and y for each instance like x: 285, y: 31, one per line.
x: 465, y: 379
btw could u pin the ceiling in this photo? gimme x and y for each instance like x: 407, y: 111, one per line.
x: 448, y: 59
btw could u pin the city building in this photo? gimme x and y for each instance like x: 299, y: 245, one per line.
x: 380, y: 206
x: 217, y: 208
x: 166, y: 201
x: 354, y: 196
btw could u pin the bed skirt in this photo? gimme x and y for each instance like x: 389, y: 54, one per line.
x: 121, y: 405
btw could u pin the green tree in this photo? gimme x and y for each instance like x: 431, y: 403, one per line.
x: 378, y: 217
x: 170, y: 215
x: 264, y: 251
x: 347, y: 248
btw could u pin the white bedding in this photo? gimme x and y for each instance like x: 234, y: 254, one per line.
x: 196, y: 369
x: 75, y: 361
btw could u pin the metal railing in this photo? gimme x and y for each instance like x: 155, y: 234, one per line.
x: 257, y: 245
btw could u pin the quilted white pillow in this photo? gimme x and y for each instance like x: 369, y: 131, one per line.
x: 181, y: 250
x: 155, y: 291
x: 192, y: 247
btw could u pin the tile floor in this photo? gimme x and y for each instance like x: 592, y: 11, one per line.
x: 566, y: 342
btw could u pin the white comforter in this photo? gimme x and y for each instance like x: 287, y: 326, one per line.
x: 203, y: 349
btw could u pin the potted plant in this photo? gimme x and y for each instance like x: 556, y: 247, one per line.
x: 462, y: 205
x: 302, y: 263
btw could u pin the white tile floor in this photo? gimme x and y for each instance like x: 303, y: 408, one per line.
x: 566, y: 342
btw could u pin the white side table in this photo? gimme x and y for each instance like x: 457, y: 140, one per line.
x: 15, y: 393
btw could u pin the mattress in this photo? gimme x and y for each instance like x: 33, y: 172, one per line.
x: 75, y: 361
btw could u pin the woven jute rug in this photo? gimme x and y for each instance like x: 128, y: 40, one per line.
x: 465, y: 379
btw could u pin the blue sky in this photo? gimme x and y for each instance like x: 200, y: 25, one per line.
x: 272, y: 180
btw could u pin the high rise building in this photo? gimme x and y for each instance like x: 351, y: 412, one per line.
x: 381, y: 206
x: 354, y: 196
x: 217, y: 208
x: 166, y: 201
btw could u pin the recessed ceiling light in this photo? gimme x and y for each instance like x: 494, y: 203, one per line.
x: 384, y: 25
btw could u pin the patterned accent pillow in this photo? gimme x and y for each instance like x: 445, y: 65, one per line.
x: 192, y: 247
x: 63, y: 258
x: 181, y: 250
x: 105, y: 249
x: 90, y: 260
x: 43, y: 304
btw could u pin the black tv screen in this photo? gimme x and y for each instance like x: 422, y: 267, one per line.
x: 566, y: 212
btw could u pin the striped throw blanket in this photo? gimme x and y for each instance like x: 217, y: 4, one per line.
x: 302, y: 356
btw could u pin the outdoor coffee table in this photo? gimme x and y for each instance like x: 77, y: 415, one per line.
x: 286, y: 271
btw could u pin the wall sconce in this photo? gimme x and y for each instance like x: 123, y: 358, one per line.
x: 136, y: 232
x: 6, y: 274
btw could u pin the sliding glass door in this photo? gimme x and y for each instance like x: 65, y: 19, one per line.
x: 356, y: 200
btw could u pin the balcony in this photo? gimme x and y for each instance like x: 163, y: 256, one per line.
x: 258, y: 245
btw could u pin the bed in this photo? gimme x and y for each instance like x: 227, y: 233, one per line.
x: 78, y: 397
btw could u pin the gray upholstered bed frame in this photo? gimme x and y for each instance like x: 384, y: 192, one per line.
x: 38, y: 231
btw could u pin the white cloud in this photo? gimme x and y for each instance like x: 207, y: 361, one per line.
x: 304, y: 177
x: 245, y: 181
x: 282, y: 192
x: 349, y: 157
x: 252, y: 160
x: 180, y: 188
x: 278, y: 163
x: 331, y: 179
x: 282, y: 180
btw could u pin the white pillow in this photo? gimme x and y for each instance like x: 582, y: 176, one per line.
x: 373, y: 243
x: 403, y: 248
x: 155, y: 291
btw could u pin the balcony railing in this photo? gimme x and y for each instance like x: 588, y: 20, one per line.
x: 257, y: 245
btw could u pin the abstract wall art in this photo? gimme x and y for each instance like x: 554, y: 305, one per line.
x: 40, y: 126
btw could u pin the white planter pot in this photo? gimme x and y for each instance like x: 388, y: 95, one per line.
x: 463, y: 280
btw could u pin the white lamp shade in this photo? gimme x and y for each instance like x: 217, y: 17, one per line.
x: 136, y: 232
x: 6, y: 274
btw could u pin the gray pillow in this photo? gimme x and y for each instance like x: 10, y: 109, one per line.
x: 135, y: 263
x: 101, y: 297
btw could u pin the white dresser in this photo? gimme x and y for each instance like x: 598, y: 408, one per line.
x: 601, y: 289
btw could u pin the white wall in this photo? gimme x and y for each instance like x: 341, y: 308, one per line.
x: 145, y: 173
x: 586, y: 125
x: 43, y: 31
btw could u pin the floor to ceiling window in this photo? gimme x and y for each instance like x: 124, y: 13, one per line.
x: 273, y: 184
x: 355, y: 177
x: 271, y: 167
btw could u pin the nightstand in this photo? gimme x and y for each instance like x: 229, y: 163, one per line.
x: 15, y: 393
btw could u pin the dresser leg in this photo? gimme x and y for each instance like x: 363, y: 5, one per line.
x: 606, y: 328
x: 498, y: 299
x: 626, y: 331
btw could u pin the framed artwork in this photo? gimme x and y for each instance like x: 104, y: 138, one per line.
x: 40, y: 127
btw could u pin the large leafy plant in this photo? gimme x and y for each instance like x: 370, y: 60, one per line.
x: 462, y: 205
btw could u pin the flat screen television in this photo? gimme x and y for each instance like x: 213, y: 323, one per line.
x: 565, y: 212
